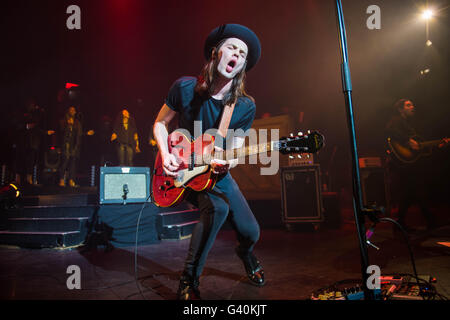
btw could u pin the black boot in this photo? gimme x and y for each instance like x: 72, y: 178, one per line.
x: 188, y: 289
x: 253, y: 268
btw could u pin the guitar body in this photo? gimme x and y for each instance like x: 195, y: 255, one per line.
x: 169, y: 191
x: 403, y: 153
x: 406, y: 155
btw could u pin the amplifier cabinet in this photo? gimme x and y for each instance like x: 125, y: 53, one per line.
x: 301, y: 198
x: 375, y: 190
x: 124, y: 185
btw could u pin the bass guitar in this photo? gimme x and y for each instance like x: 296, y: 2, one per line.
x: 194, y: 171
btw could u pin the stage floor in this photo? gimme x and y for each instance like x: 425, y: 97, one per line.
x: 296, y: 264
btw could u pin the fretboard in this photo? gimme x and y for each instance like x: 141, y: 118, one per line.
x: 429, y: 144
x: 238, y: 153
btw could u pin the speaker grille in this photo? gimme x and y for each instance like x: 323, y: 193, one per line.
x: 301, y: 194
x: 113, y: 180
x: 114, y: 185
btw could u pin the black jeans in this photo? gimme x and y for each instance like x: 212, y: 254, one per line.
x: 224, y: 202
x: 68, y: 163
x: 412, y: 186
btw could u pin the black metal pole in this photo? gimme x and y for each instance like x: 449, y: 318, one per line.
x: 357, y: 198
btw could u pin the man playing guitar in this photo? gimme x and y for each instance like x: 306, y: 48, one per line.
x: 230, y: 51
x: 408, y: 173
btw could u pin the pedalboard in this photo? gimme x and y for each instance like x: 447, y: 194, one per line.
x: 392, y: 287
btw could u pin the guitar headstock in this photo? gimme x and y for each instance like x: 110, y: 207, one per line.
x: 310, y: 142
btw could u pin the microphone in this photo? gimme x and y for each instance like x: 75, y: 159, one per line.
x: 125, y: 192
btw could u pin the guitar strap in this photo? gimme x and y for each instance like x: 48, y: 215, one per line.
x: 225, y: 121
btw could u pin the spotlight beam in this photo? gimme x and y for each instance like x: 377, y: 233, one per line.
x: 427, y: 14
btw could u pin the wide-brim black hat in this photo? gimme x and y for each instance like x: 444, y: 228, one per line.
x: 235, y: 31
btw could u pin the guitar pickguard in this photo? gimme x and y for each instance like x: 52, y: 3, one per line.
x: 186, y: 175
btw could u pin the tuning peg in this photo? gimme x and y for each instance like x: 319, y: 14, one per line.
x: 291, y: 157
x: 300, y: 133
x: 309, y: 131
x: 291, y: 135
x: 307, y: 156
x: 299, y: 156
x: 297, y: 149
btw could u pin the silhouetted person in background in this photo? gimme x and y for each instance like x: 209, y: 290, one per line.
x: 103, y: 140
x: 71, y: 134
x: 33, y: 130
x: 126, y: 136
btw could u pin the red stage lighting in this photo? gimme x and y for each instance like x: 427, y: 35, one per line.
x: 70, y: 85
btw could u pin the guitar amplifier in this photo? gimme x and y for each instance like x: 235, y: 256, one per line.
x: 124, y: 185
x: 301, y: 159
x: 301, y: 196
x: 374, y: 186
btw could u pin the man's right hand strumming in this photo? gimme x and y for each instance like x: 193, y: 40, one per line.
x: 170, y: 164
x: 414, y: 144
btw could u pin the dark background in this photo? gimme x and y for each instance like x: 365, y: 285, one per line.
x: 128, y: 53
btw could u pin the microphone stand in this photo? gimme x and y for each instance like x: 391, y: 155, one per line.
x: 358, y: 209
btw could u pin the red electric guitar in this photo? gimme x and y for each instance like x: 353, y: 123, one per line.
x: 194, y: 157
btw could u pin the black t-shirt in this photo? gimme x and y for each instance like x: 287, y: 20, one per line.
x: 400, y: 129
x: 191, y: 107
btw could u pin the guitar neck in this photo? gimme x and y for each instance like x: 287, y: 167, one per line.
x: 429, y: 144
x: 238, y: 153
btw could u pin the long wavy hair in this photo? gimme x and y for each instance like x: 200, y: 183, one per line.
x: 205, y: 81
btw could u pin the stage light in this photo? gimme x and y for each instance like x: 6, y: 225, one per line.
x: 428, y: 43
x: 427, y: 14
x: 8, y: 196
x: 9, y: 191
x: 71, y: 85
x: 425, y: 71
